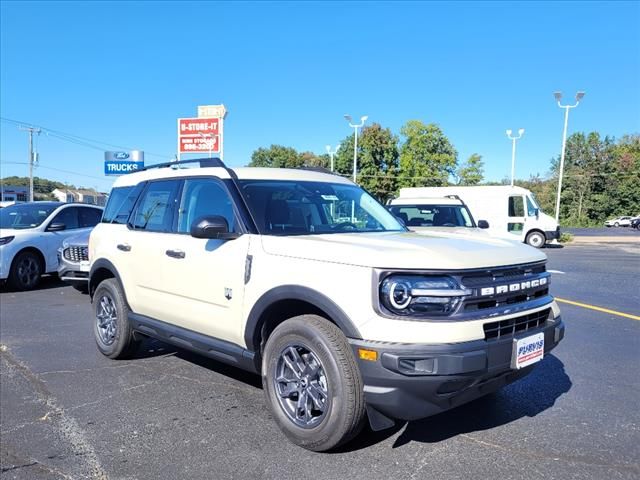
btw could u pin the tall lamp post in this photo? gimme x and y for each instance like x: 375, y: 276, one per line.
x: 558, y: 97
x: 332, y: 153
x: 355, y: 143
x: 513, y: 151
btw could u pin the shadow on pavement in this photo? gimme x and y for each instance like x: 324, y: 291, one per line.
x: 150, y: 347
x: 527, y: 397
x: 46, y: 282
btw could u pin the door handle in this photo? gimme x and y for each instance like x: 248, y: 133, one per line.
x: 175, y: 253
x: 125, y: 247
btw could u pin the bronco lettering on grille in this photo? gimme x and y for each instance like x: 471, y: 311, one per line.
x: 513, y: 287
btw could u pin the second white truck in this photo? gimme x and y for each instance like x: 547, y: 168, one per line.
x: 511, y: 212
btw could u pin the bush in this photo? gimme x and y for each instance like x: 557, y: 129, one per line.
x: 565, y: 237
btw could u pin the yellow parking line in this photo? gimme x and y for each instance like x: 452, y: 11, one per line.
x: 599, y: 309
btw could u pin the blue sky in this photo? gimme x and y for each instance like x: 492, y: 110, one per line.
x: 121, y: 73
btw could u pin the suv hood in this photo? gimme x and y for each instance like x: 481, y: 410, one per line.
x: 404, y: 250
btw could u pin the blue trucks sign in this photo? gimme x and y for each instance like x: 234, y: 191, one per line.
x: 120, y: 163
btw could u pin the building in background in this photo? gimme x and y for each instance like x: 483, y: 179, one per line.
x: 90, y: 197
x: 12, y: 193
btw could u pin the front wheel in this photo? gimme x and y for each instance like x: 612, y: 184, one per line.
x: 111, y: 326
x: 535, y: 239
x: 312, y: 383
x: 26, y: 270
x: 616, y: 224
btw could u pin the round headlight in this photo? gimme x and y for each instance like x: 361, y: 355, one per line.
x: 400, y: 295
x: 420, y: 295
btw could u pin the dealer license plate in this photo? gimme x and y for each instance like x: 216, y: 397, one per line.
x: 84, y: 266
x: 527, y: 350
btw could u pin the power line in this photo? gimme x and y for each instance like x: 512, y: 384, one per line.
x: 59, y: 170
x: 77, y: 139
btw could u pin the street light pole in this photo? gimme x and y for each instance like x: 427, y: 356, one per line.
x: 513, y: 151
x: 332, y: 153
x: 355, y: 143
x: 558, y: 97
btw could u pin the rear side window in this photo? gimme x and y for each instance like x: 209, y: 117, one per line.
x: 120, y: 204
x: 89, y: 217
x: 155, y: 209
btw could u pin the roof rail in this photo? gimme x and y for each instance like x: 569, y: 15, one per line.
x: 316, y: 169
x: 203, y: 163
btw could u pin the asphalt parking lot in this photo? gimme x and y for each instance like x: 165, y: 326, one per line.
x: 68, y: 412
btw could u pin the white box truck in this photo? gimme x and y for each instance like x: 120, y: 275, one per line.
x: 512, y: 212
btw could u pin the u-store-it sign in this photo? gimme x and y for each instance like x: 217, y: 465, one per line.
x: 198, y: 135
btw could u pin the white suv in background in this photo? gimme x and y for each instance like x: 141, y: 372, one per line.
x: 31, y: 233
x: 304, y: 278
x: 618, y: 222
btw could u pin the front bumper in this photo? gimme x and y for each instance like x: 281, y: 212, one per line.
x: 552, y: 234
x: 413, y: 381
x: 72, y: 272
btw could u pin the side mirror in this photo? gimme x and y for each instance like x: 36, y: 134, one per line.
x: 212, y: 227
x: 56, y: 227
x: 483, y: 224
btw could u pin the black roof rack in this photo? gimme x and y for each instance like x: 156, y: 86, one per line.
x: 203, y: 162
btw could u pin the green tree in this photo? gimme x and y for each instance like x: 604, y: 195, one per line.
x: 427, y: 157
x: 471, y: 172
x: 276, y: 156
x: 589, y: 167
x: 377, y: 160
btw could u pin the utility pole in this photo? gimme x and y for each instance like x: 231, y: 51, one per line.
x: 31, y: 131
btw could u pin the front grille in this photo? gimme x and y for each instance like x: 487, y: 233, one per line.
x: 76, y: 254
x: 508, y: 328
x: 495, y: 278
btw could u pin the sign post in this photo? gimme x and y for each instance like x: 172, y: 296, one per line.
x: 205, y: 133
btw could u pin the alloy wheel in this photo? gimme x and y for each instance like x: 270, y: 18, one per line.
x: 107, y: 319
x: 301, y: 386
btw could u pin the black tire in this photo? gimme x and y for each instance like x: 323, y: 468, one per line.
x: 113, y: 334
x: 344, y: 405
x: 536, y: 239
x: 26, y: 271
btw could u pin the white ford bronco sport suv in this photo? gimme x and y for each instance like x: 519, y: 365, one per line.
x: 304, y: 278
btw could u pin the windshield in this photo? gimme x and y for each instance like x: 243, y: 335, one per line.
x: 308, y: 208
x: 433, y: 215
x: 25, y: 216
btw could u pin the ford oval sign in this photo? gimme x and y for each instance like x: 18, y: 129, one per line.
x: 120, y: 163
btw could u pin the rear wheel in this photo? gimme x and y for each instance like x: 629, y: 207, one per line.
x: 312, y: 383
x: 535, y: 239
x: 617, y: 224
x: 112, y: 329
x: 26, y: 270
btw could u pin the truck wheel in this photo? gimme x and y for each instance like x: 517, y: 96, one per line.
x: 535, y: 239
x: 112, y: 329
x: 26, y: 270
x: 312, y: 383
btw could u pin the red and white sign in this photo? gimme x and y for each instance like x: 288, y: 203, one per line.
x: 196, y: 126
x: 204, y: 133
x: 199, y: 144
